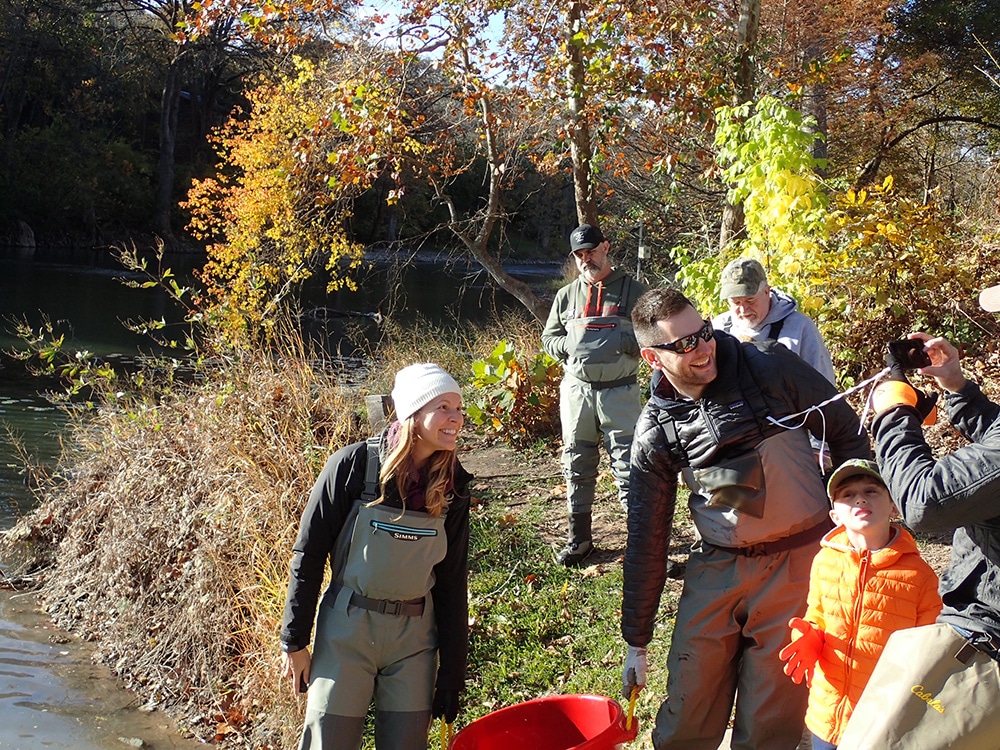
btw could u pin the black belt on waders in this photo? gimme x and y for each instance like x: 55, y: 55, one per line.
x: 409, y: 608
x: 600, y: 386
x: 794, y: 541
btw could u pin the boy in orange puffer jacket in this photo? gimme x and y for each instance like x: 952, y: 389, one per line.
x: 868, y: 580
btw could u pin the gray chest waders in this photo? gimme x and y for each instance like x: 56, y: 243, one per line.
x: 728, y: 498
x: 376, y: 631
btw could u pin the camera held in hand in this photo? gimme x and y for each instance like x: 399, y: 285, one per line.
x: 910, y: 353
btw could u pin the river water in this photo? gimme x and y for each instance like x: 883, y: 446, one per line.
x: 82, y: 296
x: 51, y: 695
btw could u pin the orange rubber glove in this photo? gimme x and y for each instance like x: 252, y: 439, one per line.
x: 800, y: 656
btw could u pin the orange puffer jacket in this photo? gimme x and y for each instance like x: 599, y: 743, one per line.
x: 858, y: 599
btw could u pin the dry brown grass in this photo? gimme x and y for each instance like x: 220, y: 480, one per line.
x: 171, y: 529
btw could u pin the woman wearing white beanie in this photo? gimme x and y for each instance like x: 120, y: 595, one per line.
x: 392, y: 516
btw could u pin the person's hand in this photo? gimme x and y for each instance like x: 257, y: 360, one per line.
x: 445, y: 705
x: 295, y: 666
x: 800, y: 656
x: 898, y: 390
x: 945, y: 367
x: 634, y: 672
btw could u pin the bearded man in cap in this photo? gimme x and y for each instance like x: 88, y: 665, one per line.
x: 757, y: 312
x: 589, y: 331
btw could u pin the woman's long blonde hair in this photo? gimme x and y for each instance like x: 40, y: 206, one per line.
x: 399, y: 466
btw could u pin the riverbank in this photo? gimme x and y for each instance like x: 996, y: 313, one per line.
x: 166, y: 545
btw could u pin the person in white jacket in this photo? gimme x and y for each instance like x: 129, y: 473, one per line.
x: 757, y: 312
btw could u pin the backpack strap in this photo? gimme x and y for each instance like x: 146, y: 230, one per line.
x: 775, y: 329
x: 373, y: 466
x: 674, y: 442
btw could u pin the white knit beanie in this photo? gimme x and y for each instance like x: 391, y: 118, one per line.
x: 418, y: 385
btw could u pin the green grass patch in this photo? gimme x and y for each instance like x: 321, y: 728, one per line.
x: 538, y: 629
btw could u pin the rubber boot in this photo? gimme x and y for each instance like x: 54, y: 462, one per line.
x: 322, y: 730
x: 580, y: 545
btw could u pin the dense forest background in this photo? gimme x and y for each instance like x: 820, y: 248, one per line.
x: 107, y: 109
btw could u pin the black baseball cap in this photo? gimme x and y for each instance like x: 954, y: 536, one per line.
x: 585, y: 237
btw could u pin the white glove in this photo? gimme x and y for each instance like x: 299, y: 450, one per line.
x: 634, y: 673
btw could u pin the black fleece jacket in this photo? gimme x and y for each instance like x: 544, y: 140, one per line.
x: 722, y: 424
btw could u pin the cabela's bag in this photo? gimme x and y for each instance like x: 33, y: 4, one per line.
x: 931, y: 690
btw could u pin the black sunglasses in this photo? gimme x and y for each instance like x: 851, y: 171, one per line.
x: 687, y: 343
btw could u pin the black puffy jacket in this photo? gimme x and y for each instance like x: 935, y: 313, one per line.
x: 960, y: 491
x: 724, y: 423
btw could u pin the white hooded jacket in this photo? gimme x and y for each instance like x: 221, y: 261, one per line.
x: 797, y: 332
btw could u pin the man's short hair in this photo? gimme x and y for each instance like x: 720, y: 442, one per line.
x: 652, y: 307
x: 743, y: 277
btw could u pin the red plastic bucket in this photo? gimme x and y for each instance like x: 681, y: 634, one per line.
x: 556, y: 722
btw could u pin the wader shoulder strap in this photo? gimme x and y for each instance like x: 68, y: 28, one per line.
x: 373, y: 465
x: 625, y: 297
x: 753, y: 394
x: 674, y: 442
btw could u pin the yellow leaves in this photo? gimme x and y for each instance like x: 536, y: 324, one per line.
x: 811, y: 304
x: 280, y: 208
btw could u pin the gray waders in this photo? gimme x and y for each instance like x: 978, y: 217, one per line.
x: 592, y: 413
x: 376, y: 634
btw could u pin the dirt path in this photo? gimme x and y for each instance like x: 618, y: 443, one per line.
x: 519, y: 475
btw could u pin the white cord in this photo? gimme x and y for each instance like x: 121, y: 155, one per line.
x: 872, y: 381
x: 863, y: 384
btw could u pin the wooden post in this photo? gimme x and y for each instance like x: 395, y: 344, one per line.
x: 379, y: 407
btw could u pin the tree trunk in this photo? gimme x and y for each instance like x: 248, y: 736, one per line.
x: 478, y: 243
x: 169, y: 109
x: 746, y: 41
x: 580, y: 147
x: 538, y: 307
x: 815, y: 101
x: 733, y: 227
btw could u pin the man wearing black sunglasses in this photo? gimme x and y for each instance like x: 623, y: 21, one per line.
x: 758, y: 502
x: 589, y: 331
